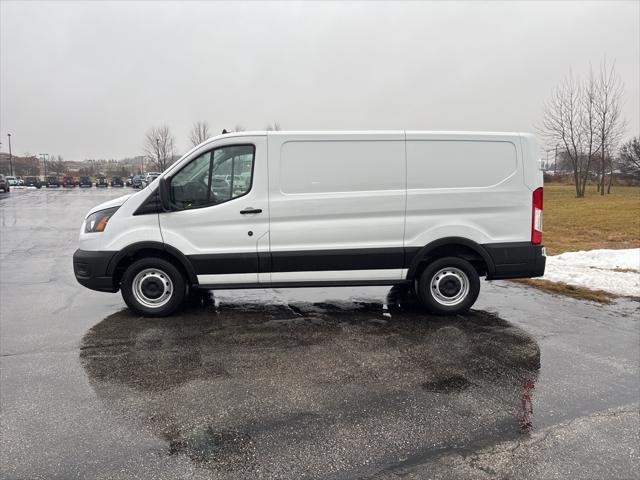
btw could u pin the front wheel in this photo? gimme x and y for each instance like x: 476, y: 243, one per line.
x: 449, y: 286
x: 153, y: 287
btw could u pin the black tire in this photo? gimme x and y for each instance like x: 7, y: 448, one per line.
x: 459, y: 290
x: 158, y: 274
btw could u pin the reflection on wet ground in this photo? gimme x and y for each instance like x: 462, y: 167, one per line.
x: 252, y: 387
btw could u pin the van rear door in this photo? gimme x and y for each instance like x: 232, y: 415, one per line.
x: 221, y: 219
x: 337, y: 206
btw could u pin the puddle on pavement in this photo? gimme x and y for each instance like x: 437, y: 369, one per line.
x: 229, y: 381
x: 455, y: 383
x: 205, y: 445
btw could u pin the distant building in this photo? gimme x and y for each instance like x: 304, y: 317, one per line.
x: 22, y: 166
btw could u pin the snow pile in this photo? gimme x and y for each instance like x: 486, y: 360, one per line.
x: 598, y: 270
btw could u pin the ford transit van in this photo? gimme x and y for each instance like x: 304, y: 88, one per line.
x: 433, y: 210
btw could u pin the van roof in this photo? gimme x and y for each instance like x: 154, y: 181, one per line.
x: 434, y: 133
x: 324, y: 132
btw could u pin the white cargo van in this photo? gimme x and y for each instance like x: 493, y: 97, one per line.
x: 434, y: 210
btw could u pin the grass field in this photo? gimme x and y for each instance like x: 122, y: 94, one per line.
x: 572, y: 224
x: 572, y: 291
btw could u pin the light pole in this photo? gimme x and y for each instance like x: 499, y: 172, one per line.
x: 10, y: 158
x: 555, y: 159
x: 546, y: 161
x: 44, y: 162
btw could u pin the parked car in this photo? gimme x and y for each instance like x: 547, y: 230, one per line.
x: 101, y: 181
x: 53, y: 182
x: 20, y: 180
x: 4, y: 185
x: 33, y: 182
x: 12, y: 181
x: 150, y: 177
x: 220, y: 186
x: 68, y: 182
x: 116, y: 181
x: 85, y: 182
x: 128, y: 182
x: 237, y: 179
x: 434, y: 211
x: 136, y: 181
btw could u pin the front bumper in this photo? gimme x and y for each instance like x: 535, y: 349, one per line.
x: 516, y: 260
x: 90, y: 268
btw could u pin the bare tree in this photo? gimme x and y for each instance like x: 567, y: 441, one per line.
x: 585, y: 119
x: 31, y: 164
x: 563, y: 123
x: 629, y: 159
x: 589, y: 127
x: 57, y: 165
x: 273, y: 128
x: 199, y: 133
x: 159, y: 147
x: 609, y: 119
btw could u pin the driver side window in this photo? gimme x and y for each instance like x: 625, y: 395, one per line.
x: 214, y: 177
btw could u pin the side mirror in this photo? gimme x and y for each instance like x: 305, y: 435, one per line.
x: 164, y: 195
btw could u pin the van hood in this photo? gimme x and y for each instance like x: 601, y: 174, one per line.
x: 116, y: 202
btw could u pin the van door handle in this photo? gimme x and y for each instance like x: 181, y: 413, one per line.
x: 250, y: 210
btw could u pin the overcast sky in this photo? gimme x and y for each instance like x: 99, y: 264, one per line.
x: 88, y: 79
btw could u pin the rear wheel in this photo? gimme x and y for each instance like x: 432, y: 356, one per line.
x: 449, y: 286
x: 153, y: 287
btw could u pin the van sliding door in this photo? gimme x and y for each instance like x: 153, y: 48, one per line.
x: 337, y: 206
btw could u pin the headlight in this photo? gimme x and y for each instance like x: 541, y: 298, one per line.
x: 97, y: 222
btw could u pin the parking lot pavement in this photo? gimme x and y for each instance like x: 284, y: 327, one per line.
x: 300, y: 383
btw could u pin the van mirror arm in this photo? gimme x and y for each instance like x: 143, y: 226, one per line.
x: 163, y: 194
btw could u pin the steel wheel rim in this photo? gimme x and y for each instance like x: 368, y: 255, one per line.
x: 152, y: 287
x: 449, y: 286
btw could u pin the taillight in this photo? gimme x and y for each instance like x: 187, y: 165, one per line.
x: 536, y: 217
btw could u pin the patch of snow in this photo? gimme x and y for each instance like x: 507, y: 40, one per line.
x: 596, y: 269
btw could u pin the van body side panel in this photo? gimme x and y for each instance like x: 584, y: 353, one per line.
x: 469, y: 187
x: 531, y: 153
x: 331, y: 193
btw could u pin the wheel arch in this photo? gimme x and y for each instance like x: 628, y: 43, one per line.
x: 135, y: 251
x: 452, y: 246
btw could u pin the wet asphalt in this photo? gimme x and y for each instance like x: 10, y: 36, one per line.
x: 332, y: 383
